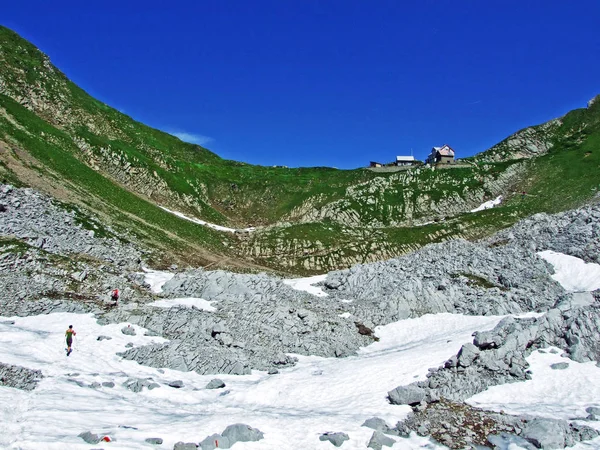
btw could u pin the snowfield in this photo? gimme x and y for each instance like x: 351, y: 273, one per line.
x: 156, y: 279
x: 293, y: 407
x: 207, y: 224
x: 306, y: 284
x: 189, y: 302
x: 574, y: 274
x: 488, y: 205
x: 558, y: 394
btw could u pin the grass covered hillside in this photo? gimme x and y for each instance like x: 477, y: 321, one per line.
x: 56, y: 138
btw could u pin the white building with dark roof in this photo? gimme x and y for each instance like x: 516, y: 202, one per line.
x: 405, y: 160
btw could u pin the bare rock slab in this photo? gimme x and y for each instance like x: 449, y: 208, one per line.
x: 337, y: 439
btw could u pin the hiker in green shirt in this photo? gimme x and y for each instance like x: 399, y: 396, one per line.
x: 69, y: 334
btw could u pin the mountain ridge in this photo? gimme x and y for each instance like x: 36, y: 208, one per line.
x: 57, y: 138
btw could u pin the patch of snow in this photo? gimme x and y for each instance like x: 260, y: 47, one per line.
x: 573, y: 274
x: 559, y: 394
x: 529, y: 315
x: 199, y: 303
x: 345, y: 315
x: 292, y: 408
x: 489, y: 204
x: 582, y: 298
x: 346, y: 301
x: 207, y: 224
x: 424, y: 224
x: 306, y: 284
x: 156, y: 279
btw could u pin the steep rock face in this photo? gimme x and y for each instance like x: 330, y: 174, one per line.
x: 528, y: 143
x: 74, y: 127
x: 538, y: 140
x: 34, y: 96
x: 314, y: 255
x: 412, y: 198
x: 400, y: 199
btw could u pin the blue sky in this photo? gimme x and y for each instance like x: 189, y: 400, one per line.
x: 325, y: 83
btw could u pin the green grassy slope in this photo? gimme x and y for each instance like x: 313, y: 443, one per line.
x: 54, y: 150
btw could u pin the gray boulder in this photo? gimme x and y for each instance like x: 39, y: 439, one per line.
x: 377, y: 424
x: 77, y: 382
x: 176, y: 384
x: 137, y: 384
x: 406, y: 395
x: 559, y: 366
x: 79, y: 276
x: 215, y: 384
x: 240, y: 432
x: 546, y: 433
x: 215, y: 441
x: 505, y: 440
x: 593, y: 410
x: 128, y: 330
x: 134, y: 385
x: 90, y: 437
x: 218, y: 328
x: 467, y: 355
x: 185, y: 446
x: 154, y: 441
x: 337, y: 439
x: 379, y: 440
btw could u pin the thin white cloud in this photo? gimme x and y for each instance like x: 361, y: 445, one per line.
x: 192, y: 138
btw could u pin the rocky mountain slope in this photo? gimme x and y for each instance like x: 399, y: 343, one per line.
x: 54, y: 260
x: 56, y: 138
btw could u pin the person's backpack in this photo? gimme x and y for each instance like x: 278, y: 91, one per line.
x: 115, y: 295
